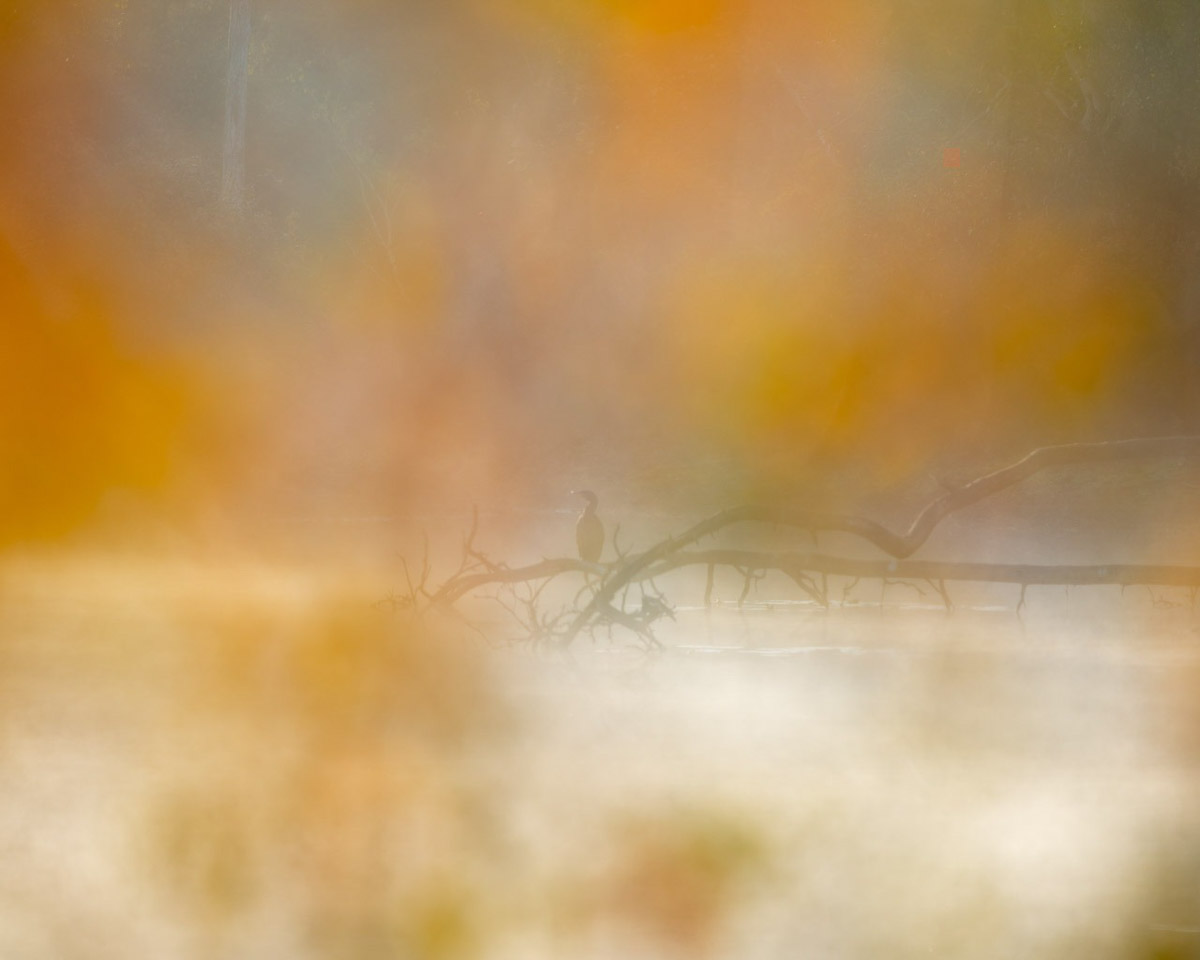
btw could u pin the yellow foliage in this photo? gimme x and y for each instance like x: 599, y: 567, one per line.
x: 81, y: 413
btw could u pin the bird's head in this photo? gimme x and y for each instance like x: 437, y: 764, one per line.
x: 587, y: 495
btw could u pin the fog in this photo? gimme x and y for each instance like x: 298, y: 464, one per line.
x: 257, y: 761
x: 689, y: 253
x: 316, y: 317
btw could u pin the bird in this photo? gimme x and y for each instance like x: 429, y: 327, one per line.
x: 589, y: 531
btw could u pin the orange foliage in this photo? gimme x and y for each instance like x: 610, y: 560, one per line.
x: 81, y: 414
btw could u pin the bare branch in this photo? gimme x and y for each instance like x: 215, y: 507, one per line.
x: 850, y: 586
x: 899, y: 546
x: 890, y: 582
x: 616, y: 535
x: 940, y: 587
x: 464, y: 582
x: 1032, y: 574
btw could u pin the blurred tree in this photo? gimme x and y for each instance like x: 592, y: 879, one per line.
x: 236, y: 78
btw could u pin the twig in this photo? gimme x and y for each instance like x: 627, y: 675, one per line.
x: 890, y: 582
x: 940, y: 587
x: 850, y: 586
x: 621, y: 554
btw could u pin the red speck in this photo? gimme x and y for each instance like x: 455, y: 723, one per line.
x: 951, y: 157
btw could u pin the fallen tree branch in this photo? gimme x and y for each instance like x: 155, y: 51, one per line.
x: 800, y: 566
x: 1026, y: 574
x: 605, y: 583
x: 463, y: 583
x: 898, y: 546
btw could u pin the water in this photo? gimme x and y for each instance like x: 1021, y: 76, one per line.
x: 256, y: 761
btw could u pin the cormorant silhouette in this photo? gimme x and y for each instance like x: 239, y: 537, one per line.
x: 589, y: 531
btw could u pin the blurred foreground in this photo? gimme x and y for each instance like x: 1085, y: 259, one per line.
x: 256, y: 761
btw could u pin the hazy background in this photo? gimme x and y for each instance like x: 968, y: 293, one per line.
x: 684, y: 253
